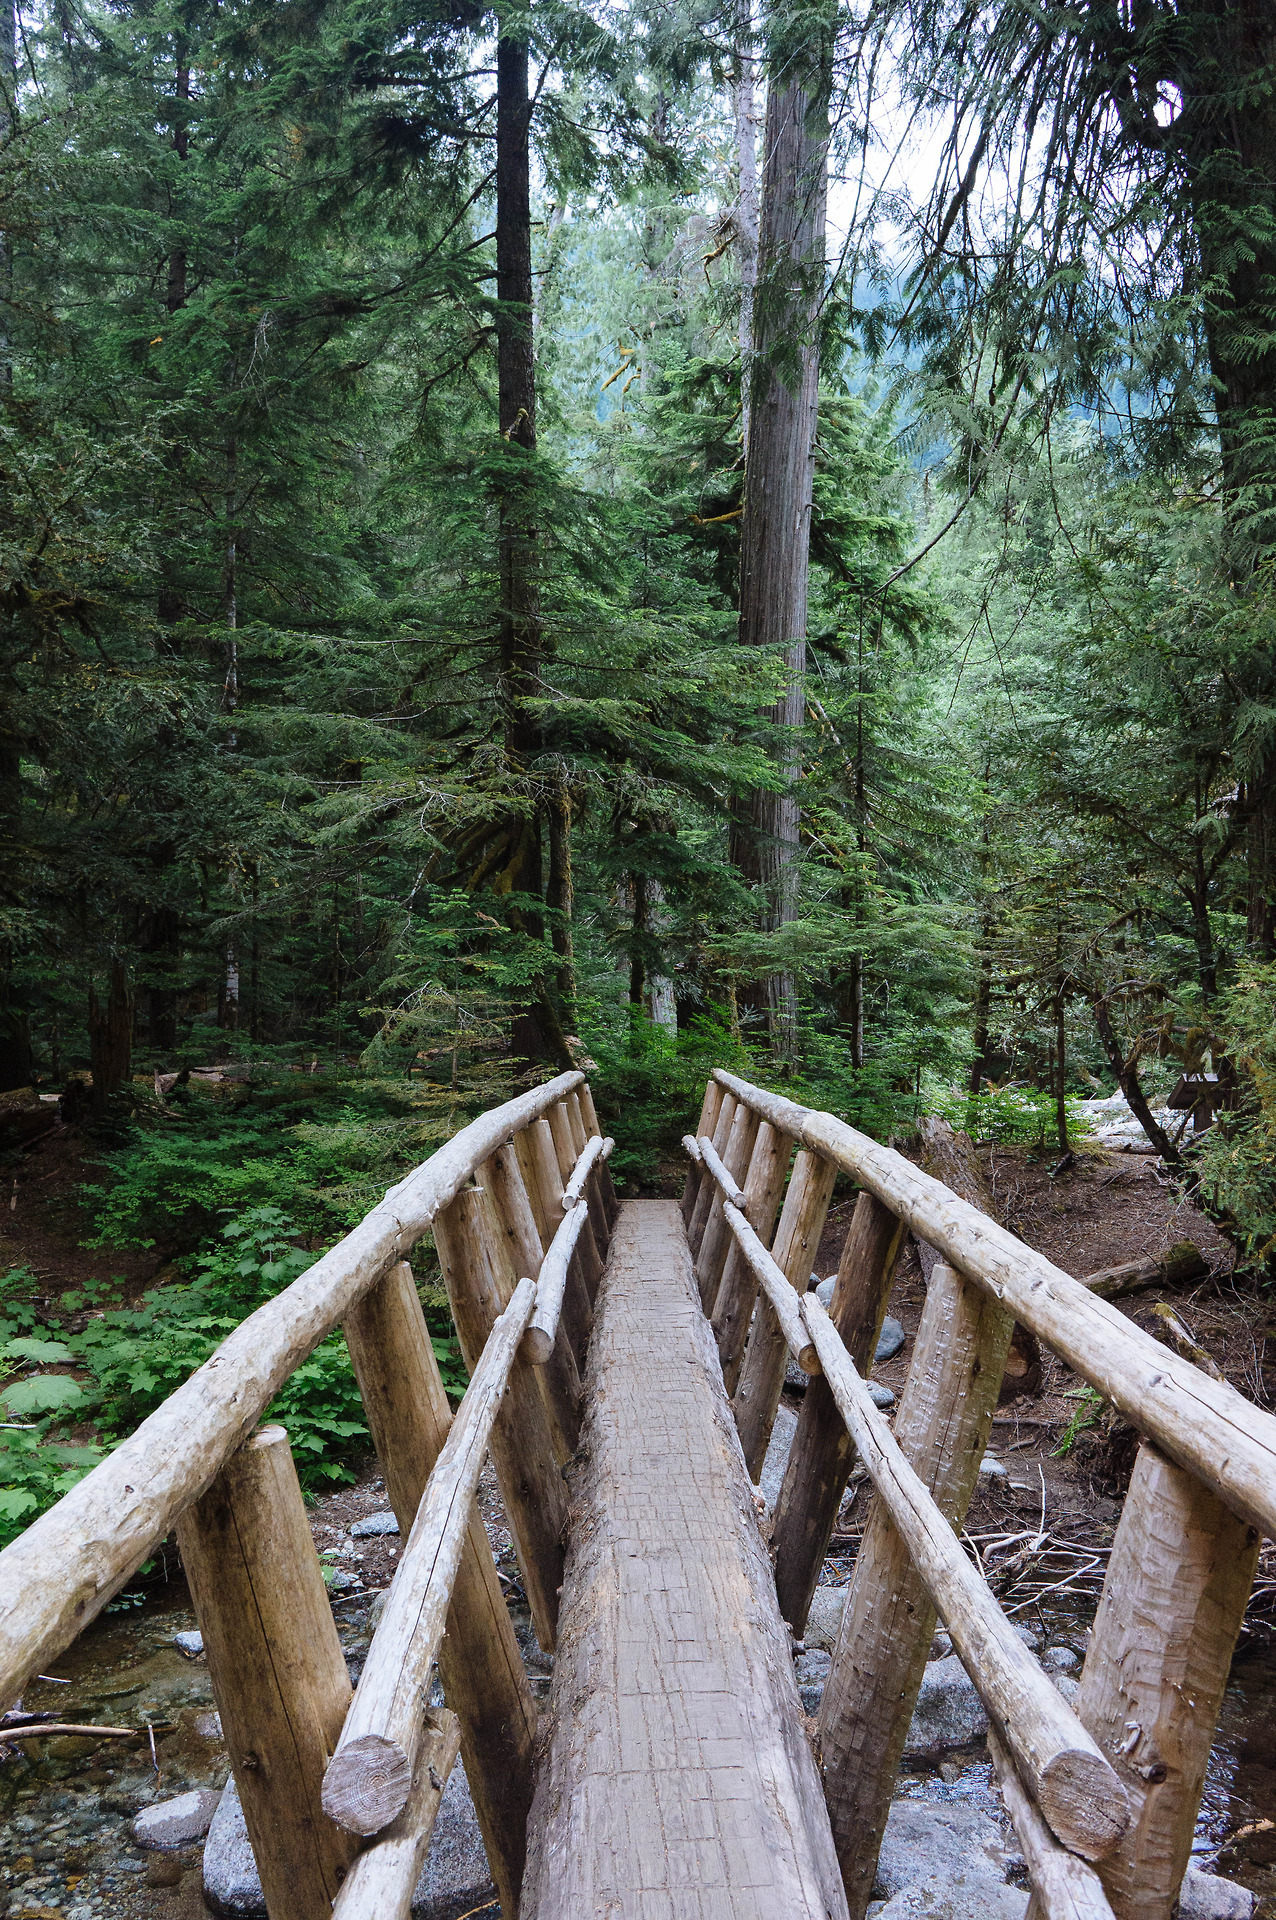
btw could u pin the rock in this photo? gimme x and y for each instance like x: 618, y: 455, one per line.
x: 777, y: 1456
x: 992, y: 1469
x: 811, y: 1671
x: 176, y: 1823
x: 190, y: 1644
x: 941, y: 1646
x: 373, y: 1525
x: 342, y: 1582
x: 1067, y: 1686
x: 1206, y: 1896
x: 794, y: 1378
x: 949, y: 1713
x: 454, y: 1879
x: 925, y: 1841
x: 1060, y: 1660
x: 889, y: 1340
x: 824, y: 1290
x: 971, y: 1896
x: 828, y: 1604
x: 883, y: 1398
x: 1030, y: 1639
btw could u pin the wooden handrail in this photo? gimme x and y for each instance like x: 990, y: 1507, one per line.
x: 1204, y: 1424
x: 1073, y: 1785
x: 371, y: 1772
x: 594, y: 1152
x: 783, y: 1297
x: 551, y: 1286
x: 60, y: 1573
x: 382, y: 1879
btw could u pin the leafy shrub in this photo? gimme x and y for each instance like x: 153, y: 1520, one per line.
x: 1237, y: 1156
x: 1013, y: 1116
x: 648, y: 1090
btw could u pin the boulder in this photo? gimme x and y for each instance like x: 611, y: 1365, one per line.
x: 1060, y: 1660
x: 455, y: 1877
x: 373, y: 1525
x: 949, y: 1713
x: 889, y: 1340
x: 771, y: 1478
x: 176, y: 1823
x: 970, y: 1896
x: 824, y: 1621
x: 925, y: 1840
x: 191, y: 1644
x: 1207, y: 1896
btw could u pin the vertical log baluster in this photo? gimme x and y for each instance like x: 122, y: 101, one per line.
x: 1177, y: 1585
x: 738, y: 1289
x: 705, y: 1125
x: 708, y: 1186
x: 797, y: 1238
x: 484, y: 1680
x: 559, y: 1378
x: 480, y: 1279
x: 606, y: 1185
x: 822, y: 1454
x: 549, y: 1183
x: 279, y: 1675
x: 943, y: 1423
x: 717, y: 1238
x: 598, y: 1215
x: 565, y: 1153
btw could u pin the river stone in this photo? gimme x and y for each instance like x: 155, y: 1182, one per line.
x: 929, y: 1841
x: 777, y: 1456
x: 176, y: 1823
x: 949, y: 1713
x: 1060, y: 1660
x: 825, y: 1618
x: 969, y: 1896
x: 189, y: 1643
x: 373, y: 1525
x: 1206, y: 1896
x: 454, y: 1879
x: 889, y: 1340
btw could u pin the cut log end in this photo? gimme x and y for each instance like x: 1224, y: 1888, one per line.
x: 367, y: 1784
x: 809, y: 1360
x: 538, y: 1346
x: 1084, y: 1802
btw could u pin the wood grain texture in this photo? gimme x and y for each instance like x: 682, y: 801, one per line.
x: 1178, y: 1580
x: 678, y: 1782
x: 279, y: 1675
x: 738, y: 1288
x: 797, y: 1238
x: 1064, y: 1887
x: 717, y: 1239
x: 62, y: 1571
x: 380, y: 1884
x: 544, y: 1332
x: 942, y: 1426
x: 374, y: 1766
x: 705, y: 1125
x: 606, y: 1185
x: 534, y: 1147
x: 1072, y: 1783
x: 707, y: 1191
x: 480, y: 1281
x: 480, y: 1666
x: 599, y: 1216
x: 590, y: 1249
x: 1203, y: 1424
x: 822, y: 1454
x: 560, y: 1376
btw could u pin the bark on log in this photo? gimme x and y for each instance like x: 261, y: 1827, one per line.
x: 544, y: 1331
x: 677, y: 1776
x: 480, y: 1283
x: 717, y: 1238
x: 738, y: 1289
x: 380, y: 1884
x: 1203, y: 1424
x: 374, y: 1766
x: 1179, y: 1264
x: 945, y: 1416
x: 480, y: 1666
x: 559, y: 1376
x: 592, y: 1249
x: 586, y: 1270
x: 797, y: 1237
x: 822, y: 1454
x: 278, y: 1673
x: 67, y: 1565
x: 599, y: 1217
x: 708, y: 1189
x: 1074, y: 1786
x: 1177, y: 1585
x: 606, y: 1185
x: 704, y: 1127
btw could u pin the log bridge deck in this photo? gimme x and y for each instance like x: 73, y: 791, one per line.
x: 673, y: 1776
x: 679, y: 1780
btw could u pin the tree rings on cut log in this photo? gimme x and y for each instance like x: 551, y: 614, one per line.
x: 1074, y: 1792
x: 367, y: 1784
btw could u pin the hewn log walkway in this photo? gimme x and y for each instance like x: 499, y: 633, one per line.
x: 678, y: 1783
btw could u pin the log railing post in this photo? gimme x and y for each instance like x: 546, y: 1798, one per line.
x: 547, y: 1183
x: 560, y: 1376
x: 708, y: 1189
x: 480, y: 1280
x: 600, y: 1219
x: 716, y: 1240
x: 704, y: 1126
x: 823, y: 1454
x: 738, y: 1287
x: 797, y: 1240
x: 484, y: 1680
x: 1178, y: 1581
x: 943, y: 1423
x: 606, y: 1185
x: 591, y: 1251
x: 279, y: 1676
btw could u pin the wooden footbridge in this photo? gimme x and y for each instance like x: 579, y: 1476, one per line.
x: 627, y: 1362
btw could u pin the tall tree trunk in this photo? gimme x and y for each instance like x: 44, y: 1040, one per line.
x: 110, y: 1037
x: 560, y: 893
x: 780, y: 470
x: 744, y: 103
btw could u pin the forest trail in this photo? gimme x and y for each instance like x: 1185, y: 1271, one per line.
x: 677, y: 1765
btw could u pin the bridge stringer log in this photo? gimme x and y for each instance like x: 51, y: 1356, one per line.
x: 677, y: 1778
